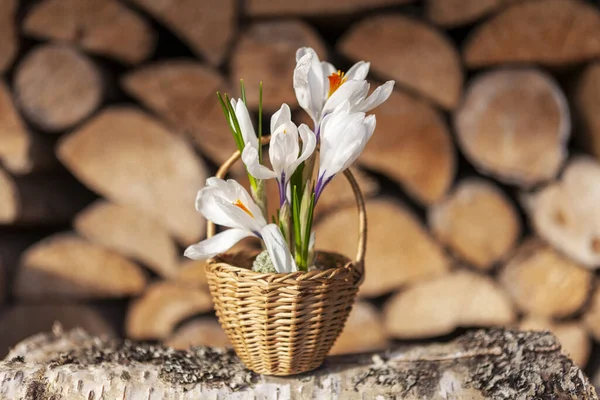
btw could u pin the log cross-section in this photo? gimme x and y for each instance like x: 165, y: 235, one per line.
x: 497, y: 364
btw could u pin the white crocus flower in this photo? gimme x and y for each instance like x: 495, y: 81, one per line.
x: 228, y: 204
x: 243, y: 117
x: 321, y: 88
x: 344, y: 135
x: 284, y: 151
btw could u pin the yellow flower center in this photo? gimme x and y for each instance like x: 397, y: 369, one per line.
x: 238, y: 203
x: 335, y: 81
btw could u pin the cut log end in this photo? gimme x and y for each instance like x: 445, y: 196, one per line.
x: 477, y: 222
x: 363, y: 331
x: 514, y: 125
x: 543, y: 282
x: 566, y: 213
x: 182, y: 92
x: 104, y: 27
x: 164, y: 305
x: 132, y: 159
x: 421, y: 59
x: 267, y: 53
x: 400, y: 250
x: 591, y: 317
x: 413, y: 146
x: 454, y: 13
x: 207, y: 33
x: 65, y: 266
x: 537, y: 32
x: 587, y: 106
x: 48, y: 199
x: 263, y: 8
x: 56, y: 87
x: 21, y: 151
x: 204, y: 331
x: 129, y: 232
x: 439, y: 306
x: 9, y: 41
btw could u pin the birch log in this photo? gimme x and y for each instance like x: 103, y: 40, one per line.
x: 572, y: 335
x: 56, y: 87
x: 478, y: 365
x: 400, y: 250
x: 413, y: 146
x: 9, y: 41
x: 410, y: 52
x: 104, y: 27
x: 540, y: 31
x: 17, y: 322
x: 207, y: 26
x: 22, y: 151
x: 566, y: 214
x: 514, y: 125
x: 267, y: 52
x: 132, y: 159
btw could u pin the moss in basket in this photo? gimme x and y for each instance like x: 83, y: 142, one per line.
x: 263, y: 264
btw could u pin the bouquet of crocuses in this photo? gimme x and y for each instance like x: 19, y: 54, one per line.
x: 337, y: 103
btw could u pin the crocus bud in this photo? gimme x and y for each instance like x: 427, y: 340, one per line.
x: 285, y: 222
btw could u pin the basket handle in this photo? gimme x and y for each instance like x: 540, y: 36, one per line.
x: 360, y: 204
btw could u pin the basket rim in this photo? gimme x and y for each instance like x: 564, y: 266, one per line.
x: 348, y: 269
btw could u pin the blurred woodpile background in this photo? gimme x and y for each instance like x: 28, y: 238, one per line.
x: 483, y: 176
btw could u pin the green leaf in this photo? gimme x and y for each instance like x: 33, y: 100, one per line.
x: 243, y: 91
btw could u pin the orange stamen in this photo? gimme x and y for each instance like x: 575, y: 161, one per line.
x: 238, y: 203
x: 335, y: 81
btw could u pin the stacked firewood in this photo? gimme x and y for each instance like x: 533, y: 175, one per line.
x: 482, y: 179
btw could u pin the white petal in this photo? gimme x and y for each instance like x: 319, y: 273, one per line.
x: 217, y: 244
x: 370, y: 123
x: 281, y: 116
x: 379, y: 95
x: 343, y: 139
x: 217, y: 202
x: 358, y: 71
x: 257, y: 221
x: 309, y: 143
x: 278, y: 249
x: 302, y: 51
x: 328, y: 68
x: 353, y: 91
x: 301, y: 87
x: 255, y: 168
x: 206, y: 205
x: 245, y: 122
x: 284, y: 148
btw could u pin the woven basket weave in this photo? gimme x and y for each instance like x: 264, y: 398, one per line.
x: 285, y: 324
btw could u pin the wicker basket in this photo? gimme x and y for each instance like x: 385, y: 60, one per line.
x: 285, y: 324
